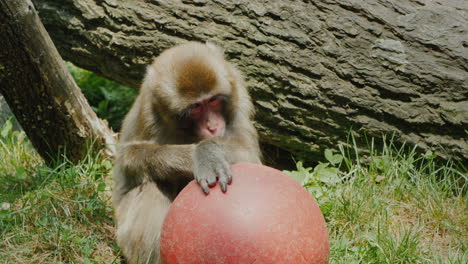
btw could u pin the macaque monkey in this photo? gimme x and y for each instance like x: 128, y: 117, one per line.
x: 191, y: 120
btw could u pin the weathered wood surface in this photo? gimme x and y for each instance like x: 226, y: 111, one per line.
x: 315, y: 68
x: 39, y: 89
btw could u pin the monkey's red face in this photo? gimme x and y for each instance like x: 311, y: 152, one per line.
x: 208, y: 116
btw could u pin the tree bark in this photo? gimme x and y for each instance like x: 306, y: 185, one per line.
x: 315, y: 68
x: 40, y: 91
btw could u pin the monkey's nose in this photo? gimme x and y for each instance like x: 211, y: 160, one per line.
x: 211, y: 125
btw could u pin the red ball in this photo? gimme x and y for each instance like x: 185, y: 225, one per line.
x: 264, y: 217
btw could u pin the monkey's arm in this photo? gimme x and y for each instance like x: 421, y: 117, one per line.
x: 141, y: 159
x: 208, y: 161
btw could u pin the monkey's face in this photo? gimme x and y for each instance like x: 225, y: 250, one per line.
x: 208, y: 116
x: 193, y: 91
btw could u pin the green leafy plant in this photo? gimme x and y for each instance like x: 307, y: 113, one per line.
x: 110, y: 100
x: 321, y: 176
x: 390, y: 204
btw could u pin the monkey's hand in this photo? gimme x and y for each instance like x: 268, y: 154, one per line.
x: 210, y: 163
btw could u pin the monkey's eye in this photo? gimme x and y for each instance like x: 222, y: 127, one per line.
x: 196, y: 111
x: 215, y: 103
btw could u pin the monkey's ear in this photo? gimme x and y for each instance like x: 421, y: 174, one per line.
x: 150, y: 78
x: 215, y: 48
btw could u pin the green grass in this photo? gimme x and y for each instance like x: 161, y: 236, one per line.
x: 53, y: 215
x: 391, y: 206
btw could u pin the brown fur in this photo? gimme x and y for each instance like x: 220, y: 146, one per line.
x: 195, y: 78
x: 155, y: 159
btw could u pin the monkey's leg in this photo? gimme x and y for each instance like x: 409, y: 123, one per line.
x: 140, y: 215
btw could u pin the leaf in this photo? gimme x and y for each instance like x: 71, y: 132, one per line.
x: 43, y: 221
x: 107, y: 164
x: 429, y: 155
x: 334, y: 159
x: 315, y: 191
x: 20, y: 173
x: 381, y: 163
x: 101, y: 187
x: 326, y: 174
x: 298, y: 176
x: 21, y: 136
x: 102, y: 107
x: 371, y: 238
x: 328, y: 154
x: 302, y: 175
x: 7, y: 128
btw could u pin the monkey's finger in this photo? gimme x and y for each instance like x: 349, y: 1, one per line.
x: 225, y: 172
x: 223, y: 186
x: 220, y: 173
x: 204, y: 186
x: 211, y: 180
x: 228, y: 174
